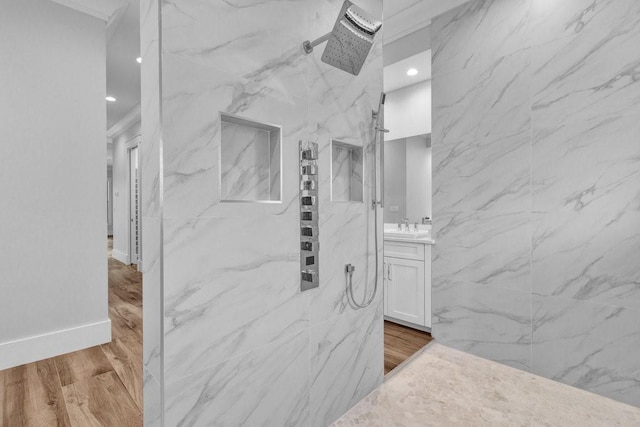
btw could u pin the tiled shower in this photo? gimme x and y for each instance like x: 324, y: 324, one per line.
x: 228, y: 333
x: 536, y: 200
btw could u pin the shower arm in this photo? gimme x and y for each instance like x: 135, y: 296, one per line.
x: 308, y: 46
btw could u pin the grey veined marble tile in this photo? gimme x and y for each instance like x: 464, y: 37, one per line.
x: 152, y: 401
x: 592, y: 76
x: 226, y: 299
x: 257, y: 40
x: 473, y: 36
x: 591, y: 165
x: 590, y: 256
x: 484, y: 320
x: 483, y: 174
x: 194, y: 95
x: 152, y: 291
x: 346, y: 362
x: 580, y: 343
x: 481, y: 247
x: 551, y: 20
x: 267, y: 387
x: 492, y: 103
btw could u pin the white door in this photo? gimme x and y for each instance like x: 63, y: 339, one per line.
x: 404, y: 290
x: 134, y: 207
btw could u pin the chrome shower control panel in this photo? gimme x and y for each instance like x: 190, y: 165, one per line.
x: 308, y: 216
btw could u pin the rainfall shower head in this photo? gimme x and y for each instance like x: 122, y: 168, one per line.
x: 350, y: 40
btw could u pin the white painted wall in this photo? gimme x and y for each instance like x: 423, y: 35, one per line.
x: 121, y: 144
x: 53, y: 254
x: 407, y: 111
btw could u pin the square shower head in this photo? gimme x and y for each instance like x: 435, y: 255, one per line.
x: 351, y: 39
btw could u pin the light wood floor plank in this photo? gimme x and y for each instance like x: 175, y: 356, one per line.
x: 101, y: 401
x: 127, y: 315
x: 80, y: 365
x: 33, y: 396
x: 400, y: 343
x: 125, y: 355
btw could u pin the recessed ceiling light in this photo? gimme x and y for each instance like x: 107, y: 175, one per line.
x: 412, y: 72
x: 139, y: 60
x: 110, y: 99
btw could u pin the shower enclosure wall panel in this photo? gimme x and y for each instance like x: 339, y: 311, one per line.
x: 151, y: 196
x: 240, y: 343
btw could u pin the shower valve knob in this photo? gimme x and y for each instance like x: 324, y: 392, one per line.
x: 309, y: 170
x: 308, y: 200
x: 310, y: 154
x: 308, y: 185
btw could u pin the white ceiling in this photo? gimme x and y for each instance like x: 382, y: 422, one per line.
x: 395, y: 75
x: 101, y: 9
x: 123, y: 72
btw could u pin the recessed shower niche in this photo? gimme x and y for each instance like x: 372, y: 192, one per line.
x: 250, y: 160
x: 346, y: 172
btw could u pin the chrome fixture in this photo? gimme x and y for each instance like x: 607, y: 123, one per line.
x: 350, y: 41
x: 378, y: 117
x: 308, y: 216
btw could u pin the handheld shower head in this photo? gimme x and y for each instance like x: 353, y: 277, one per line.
x: 376, y: 114
x: 350, y: 41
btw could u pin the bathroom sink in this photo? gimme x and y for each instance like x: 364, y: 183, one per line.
x: 407, y: 234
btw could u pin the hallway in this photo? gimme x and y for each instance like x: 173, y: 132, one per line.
x: 98, y: 386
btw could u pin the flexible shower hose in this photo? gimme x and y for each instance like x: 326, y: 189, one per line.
x: 375, y: 232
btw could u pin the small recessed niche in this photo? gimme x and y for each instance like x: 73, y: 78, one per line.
x: 250, y: 160
x: 347, y: 183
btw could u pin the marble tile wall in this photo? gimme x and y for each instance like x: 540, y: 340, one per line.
x: 241, y: 344
x: 341, y: 170
x: 151, y: 195
x: 245, y: 161
x: 347, y: 173
x: 536, y: 148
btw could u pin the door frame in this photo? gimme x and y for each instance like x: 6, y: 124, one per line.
x: 133, y: 144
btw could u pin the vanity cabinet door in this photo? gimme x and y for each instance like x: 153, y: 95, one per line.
x: 404, y: 290
x: 384, y: 287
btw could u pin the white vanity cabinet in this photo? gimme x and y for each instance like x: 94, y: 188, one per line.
x: 407, y: 282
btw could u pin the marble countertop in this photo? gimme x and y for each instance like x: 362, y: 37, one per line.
x: 422, y: 240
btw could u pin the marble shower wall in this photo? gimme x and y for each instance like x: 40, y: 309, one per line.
x: 151, y: 195
x: 346, y: 171
x: 245, y: 161
x: 240, y: 344
x: 536, y: 153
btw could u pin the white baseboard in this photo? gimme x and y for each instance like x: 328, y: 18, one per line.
x: 31, y: 349
x: 120, y: 256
